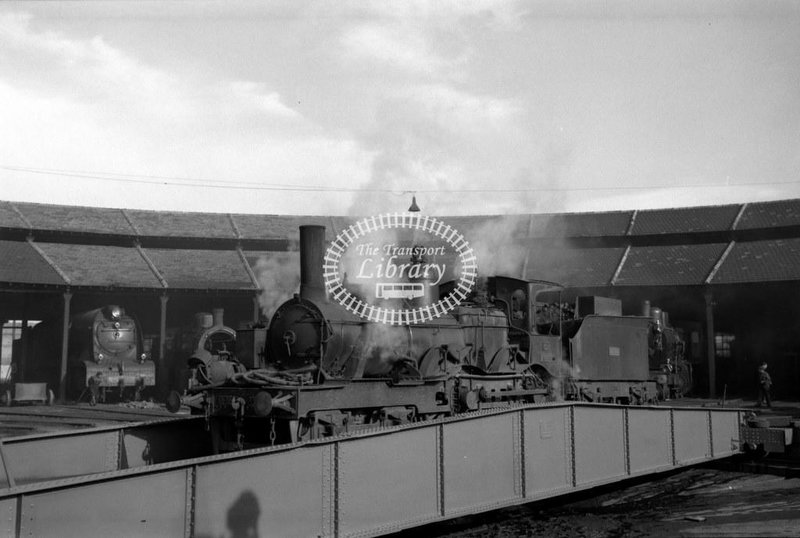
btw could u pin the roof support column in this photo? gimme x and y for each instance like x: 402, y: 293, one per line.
x: 162, y: 373
x: 22, y: 360
x: 24, y: 337
x: 711, y: 351
x: 2, y: 324
x: 62, y: 380
x: 256, y: 309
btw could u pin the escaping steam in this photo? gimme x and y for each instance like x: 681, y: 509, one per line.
x: 499, y: 245
x: 279, y: 278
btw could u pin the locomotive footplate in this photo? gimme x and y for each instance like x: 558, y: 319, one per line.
x: 497, y: 390
x: 297, y: 402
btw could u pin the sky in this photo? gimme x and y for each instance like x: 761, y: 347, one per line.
x: 351, y: 108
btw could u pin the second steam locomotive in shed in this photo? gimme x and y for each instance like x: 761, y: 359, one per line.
x: 105, y: 356
x: 319, y: 369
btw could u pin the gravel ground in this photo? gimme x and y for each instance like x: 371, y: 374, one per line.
x: 697, y: 502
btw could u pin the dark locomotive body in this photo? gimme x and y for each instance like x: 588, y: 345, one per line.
x: 105, y: 354
x: 590, y: 348
x: 322, y: 370
x: 206, y: 349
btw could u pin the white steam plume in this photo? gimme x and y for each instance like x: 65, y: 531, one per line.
x: 499, y: 246
x: 279, y: 278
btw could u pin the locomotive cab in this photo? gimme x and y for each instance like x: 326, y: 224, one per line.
x: 534, y: 312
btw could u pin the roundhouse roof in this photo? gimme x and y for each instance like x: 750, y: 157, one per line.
x: 56, y: 246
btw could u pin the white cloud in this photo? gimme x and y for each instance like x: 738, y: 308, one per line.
x: 460, y: 110
x: 441, y: 94
x: 506, y: 12
x: 255, y: 95
x: 429, y: 39
x: 394, y: 46
x: 680, y: 196
x: 74, y: 103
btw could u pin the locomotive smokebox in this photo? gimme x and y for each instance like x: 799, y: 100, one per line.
x: 312, y: 253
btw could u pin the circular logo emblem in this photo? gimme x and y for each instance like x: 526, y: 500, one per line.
x: 389, y: 268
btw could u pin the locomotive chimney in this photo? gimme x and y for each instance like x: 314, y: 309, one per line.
x: 218, y: 313
x: 312, y: 253
x: 202, y: 321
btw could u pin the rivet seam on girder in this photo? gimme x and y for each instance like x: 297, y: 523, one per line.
x: 191, y: 501
x: 518, y: 454
x: 574, y: 477
x: 523, y: 478
x: 672, y: 437
x: 710, y: 435
x: 336, y: 456
x: 626, y: 434
x: 440, y: 466
x: 327, y: 498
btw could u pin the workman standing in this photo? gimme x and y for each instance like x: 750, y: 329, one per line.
x: 764, y: 384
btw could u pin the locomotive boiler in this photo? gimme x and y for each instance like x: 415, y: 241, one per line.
x: 105, y: 354
x: 322, y: 370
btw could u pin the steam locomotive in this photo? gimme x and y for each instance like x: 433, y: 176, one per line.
x: 318, y: 369
x: 106, y: 353
x: 204, y: 346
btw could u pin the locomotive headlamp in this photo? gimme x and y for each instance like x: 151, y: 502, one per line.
x: 100, y: 357
x: 116, y: 312
x: 143, y: 357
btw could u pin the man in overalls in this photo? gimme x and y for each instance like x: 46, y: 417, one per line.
x: 764, y: 384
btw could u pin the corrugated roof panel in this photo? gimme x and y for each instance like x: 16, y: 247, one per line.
x: 201, y: 269
x: 96, y: 265
x: 278, y: 226
x: 673, y: 265
x: 685, y: 220
x: 543, y: 225
x: 9, y: 218
x: 494, y: 229
x: 180, y: 224
x: 759, y: 261
x: 587, y: 267
x: 770, y: 215
x: 21, y: 264
x: 76, y: 219
x: 612, y: 223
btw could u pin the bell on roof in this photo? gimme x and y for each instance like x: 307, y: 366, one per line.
x: 414, y: 207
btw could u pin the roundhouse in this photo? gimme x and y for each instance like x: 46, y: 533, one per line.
x: 727, y: 275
